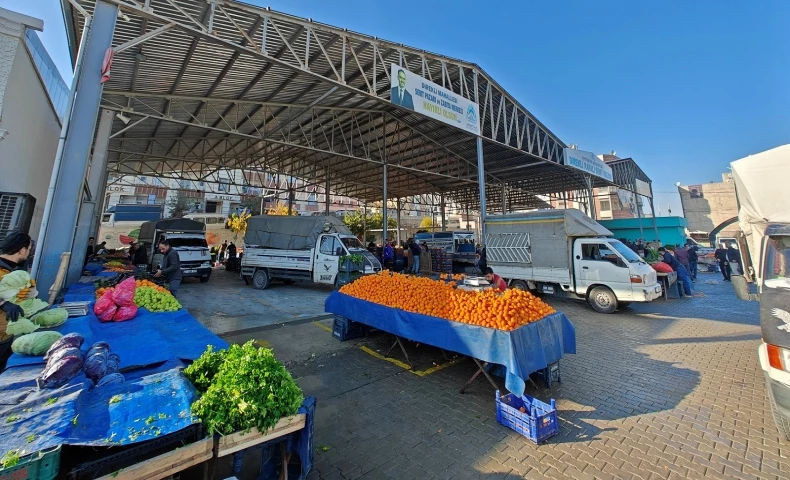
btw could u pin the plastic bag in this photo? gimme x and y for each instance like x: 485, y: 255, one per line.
x: 662, y: 267
x: 125, y: 313
x: 107, y: 315
x: 103, y: 304
x: 123, y: 295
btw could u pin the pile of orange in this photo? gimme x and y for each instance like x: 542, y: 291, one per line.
x: 148, y: 283
x: 102, y: 291
x: 504, y: 311
x: 451, y: 276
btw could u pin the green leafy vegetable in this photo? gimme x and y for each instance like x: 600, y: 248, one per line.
x: 31, y: 438
x: 51, y: 400
x: 242, y: 387
x: 11, y: 458
x: 12, y: 419
x: 115, y: 399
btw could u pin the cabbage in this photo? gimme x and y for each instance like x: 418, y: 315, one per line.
x: 51, y: 318
x: 36, y: 343
x: 12, y: 283
x: 21, y: 327
x: 32, y: 306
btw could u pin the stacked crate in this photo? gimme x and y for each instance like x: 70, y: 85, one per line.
x: 441, y: 260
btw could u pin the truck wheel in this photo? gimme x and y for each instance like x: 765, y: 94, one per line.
x: 520, y: 285
x: 260, y: 279
x: 204, y: 279
x: 602, y: 300
x: 782, y: 423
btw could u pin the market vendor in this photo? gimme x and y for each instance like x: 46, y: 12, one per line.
x: 495, y: 280
x: 14, y: 251
x: 171, y: 266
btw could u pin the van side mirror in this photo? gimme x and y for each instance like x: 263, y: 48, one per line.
x: 742, y: 288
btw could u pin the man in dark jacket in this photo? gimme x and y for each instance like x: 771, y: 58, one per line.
x: 693, y: 258
x: 14, y: 251
x: 416, y: 250
x: 734, y: 257
x: 724, y: 264
x: 171, y: 266
x: 683, y: 278
x: 140, y: 254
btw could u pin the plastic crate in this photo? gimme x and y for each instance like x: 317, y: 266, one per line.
x: 344, y: 329
x: 537, y: 424
x: 551, y: 374
x: 43, y: 465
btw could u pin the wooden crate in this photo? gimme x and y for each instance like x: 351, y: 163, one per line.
x: 168, y: 463
x: 239, y: 441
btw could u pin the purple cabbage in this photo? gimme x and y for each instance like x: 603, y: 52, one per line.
x: 59, y: 373
x: 71, y: 340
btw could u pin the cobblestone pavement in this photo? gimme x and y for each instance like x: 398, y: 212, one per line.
x: 671, y: 389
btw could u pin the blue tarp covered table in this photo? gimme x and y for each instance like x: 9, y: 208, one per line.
x: 154, y: 400
x: 94, y: 267
x: 522, y: 351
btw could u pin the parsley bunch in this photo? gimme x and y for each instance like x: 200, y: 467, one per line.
x: 241, y: 388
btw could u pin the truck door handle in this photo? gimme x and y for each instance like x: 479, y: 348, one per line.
x: 586, y: 268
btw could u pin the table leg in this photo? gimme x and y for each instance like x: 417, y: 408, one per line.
x: 480, y: 369
x: 402, y: 349
x: 284, y: 461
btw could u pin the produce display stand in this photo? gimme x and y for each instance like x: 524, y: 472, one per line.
x: 667, y: 280
x: 523, y: 351
x: 183, y: 443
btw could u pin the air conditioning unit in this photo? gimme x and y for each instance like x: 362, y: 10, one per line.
x: 16, y: 212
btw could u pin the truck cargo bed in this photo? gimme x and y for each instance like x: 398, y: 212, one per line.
x: 275, y: 258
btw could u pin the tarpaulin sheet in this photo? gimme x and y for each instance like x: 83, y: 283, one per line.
x: 80, y: 292
x: 147, y: 339
x: 141, y: 408
x: 94, y: 267
x: 522, y: 351
x: 290, y: 233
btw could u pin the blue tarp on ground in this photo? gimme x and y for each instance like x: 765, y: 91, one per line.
x: 141, y: 408
x: 522, y: 351
x: 94, y: 267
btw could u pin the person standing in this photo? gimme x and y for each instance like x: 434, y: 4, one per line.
x: 724, y: 265
x: 222, y: 249
x: 693, y: 259
x: 482, y: 263
x: 14, y: 250
x: 140, y: 254
x: 683, y: 257
x: 683, y: 277
x: 388, y: 255
x: 416, y: 250
x: 734, y: 257
x: 89, y: 250
x: 171, y: 266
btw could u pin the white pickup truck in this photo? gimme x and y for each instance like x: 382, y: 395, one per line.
x: 299, y: 249
x: 568, y: 254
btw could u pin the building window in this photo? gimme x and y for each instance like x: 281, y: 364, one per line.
x: 311, y: 199
x: 606, y: 205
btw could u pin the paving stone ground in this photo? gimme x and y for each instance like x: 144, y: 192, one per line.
x: 671, y: 389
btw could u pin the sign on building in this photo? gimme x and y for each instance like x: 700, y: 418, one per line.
x: 411, y: 91
x: 642, y: 188
x: 587, y: 162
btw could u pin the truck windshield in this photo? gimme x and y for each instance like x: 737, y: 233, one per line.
x: 352, y: 243
x: 188, y: 242
x: 626, y: 252
x: 776, y: 271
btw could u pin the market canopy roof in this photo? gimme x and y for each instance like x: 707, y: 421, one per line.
x: 207, y: 89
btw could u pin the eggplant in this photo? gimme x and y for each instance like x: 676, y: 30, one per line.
x: 111, y: 379
x: 59, y: 373
x: 71, y: 340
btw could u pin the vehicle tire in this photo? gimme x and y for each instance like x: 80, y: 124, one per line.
x: 260, y: 279
x: 520, y: 285
x: 289, y: 282
x: 782, y: 423
x: 602, y: 299
x: 205, y: 279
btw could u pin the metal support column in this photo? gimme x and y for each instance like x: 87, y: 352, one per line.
x: 101, y: 205
x: 638, y: 199
x: 590, y: 198
x: 365, y: 224
x: 384, y: 209
x: 653, y: 212
x: 63, y: 205
x: 481, y: 174
x: 504, y: 199
x: 326, y: 193
x: 97, y: 173
x: 467, y: 217
x: 291, y: 195
x: 443, y: 211
x: 397, y: 213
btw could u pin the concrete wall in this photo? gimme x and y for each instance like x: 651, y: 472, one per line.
x: 716, y: 204
x: 27, y: 153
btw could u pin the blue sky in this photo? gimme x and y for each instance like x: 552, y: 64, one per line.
x: 682, y: 87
